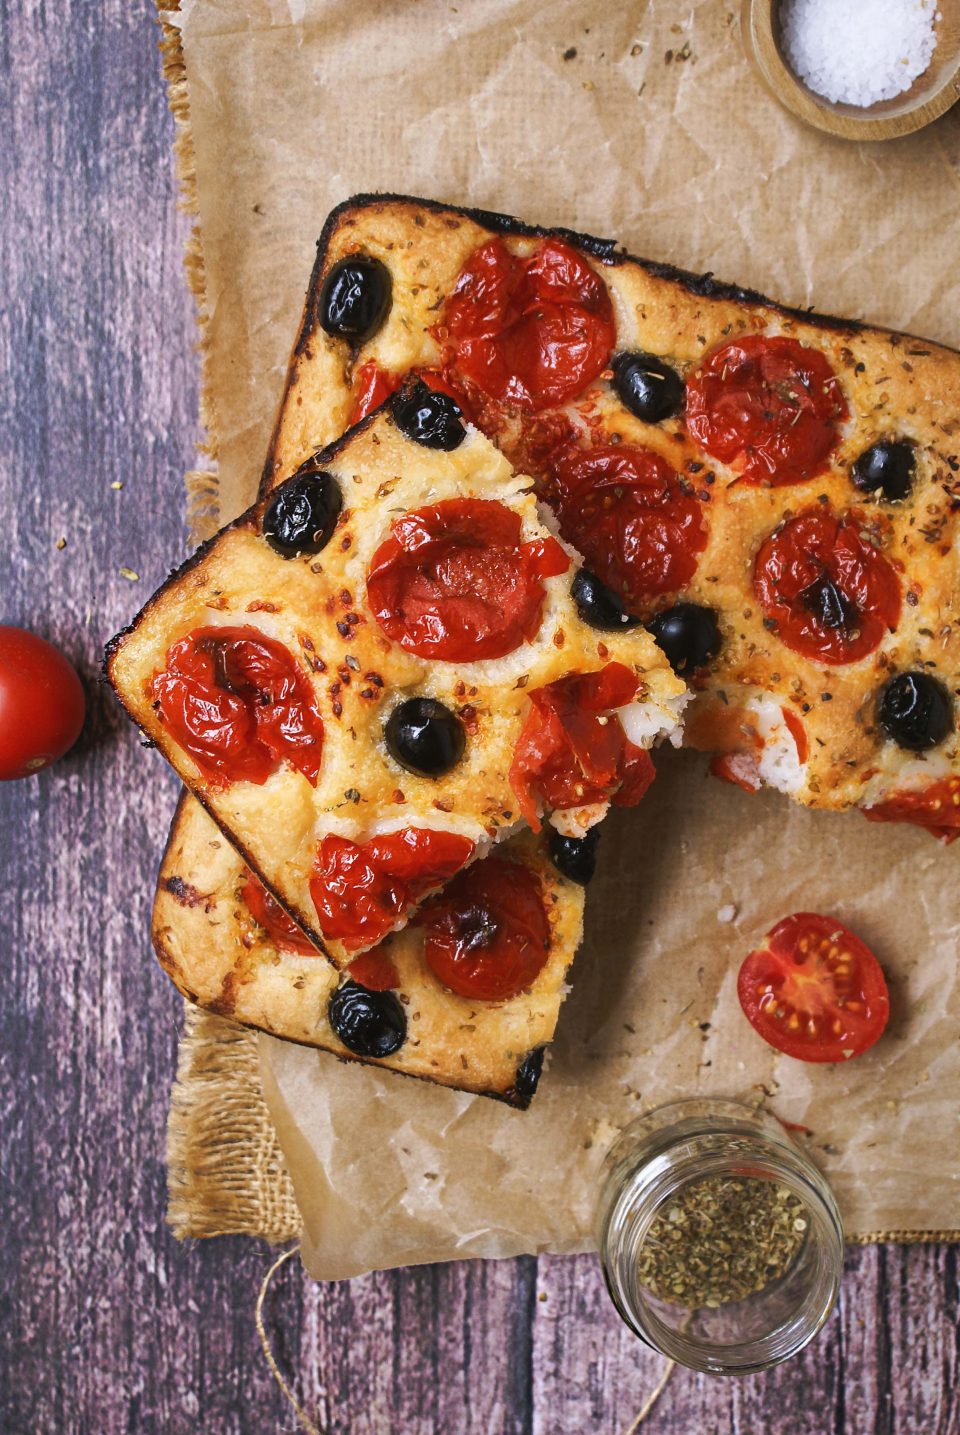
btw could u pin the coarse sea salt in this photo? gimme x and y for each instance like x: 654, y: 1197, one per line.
x: 858, y: 51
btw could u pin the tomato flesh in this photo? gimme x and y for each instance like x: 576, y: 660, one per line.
x: 572, y: 750
x: 830, y: 592
x: 935, y: 808
x: 530, y: 331
x: 814, y: 990
x: 240, y: 705
x: 768, y: 408
x: 487, y: 935
x: 374, y: 970
x: 624, y: 509
x: 359, y: 889
x: 278, y: 924
x: 42, y: 705
x: 372, y: 386
x: 456, y: 582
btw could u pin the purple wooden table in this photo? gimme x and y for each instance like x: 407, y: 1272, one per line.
x: 107, y: 1323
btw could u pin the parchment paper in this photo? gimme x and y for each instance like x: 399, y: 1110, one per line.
x: 656, y: 131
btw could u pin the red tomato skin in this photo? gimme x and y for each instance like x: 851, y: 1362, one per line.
x: 623, y: 508
x: 528, y: 331
x: 813, y: 969
x: 935, y: 808
x: 373, y: 385
x: 279, y: 926
x: 360, y: 889
x: 487, y: 935
x: 818, y: 545
x: 210, y: 700
x: 42, y: 704
x: 769, y: 408
x: 374, y: 970
x: 455, y: 582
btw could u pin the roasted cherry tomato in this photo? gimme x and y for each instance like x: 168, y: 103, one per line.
x: 768, y: 408
x: 624, y: 509
x: 360, y: 889
x: 373, y: 385
x: 831, y: 594
x: 487, y: 935
x: 937, y: 808
x: 41, y: 704
x: 374, y: 970
x: 814, y: 990
x: 529, y: 331
x: 572, y: 750
x: 278, y: 924
x: 456, y: 582
x: 239, y: 704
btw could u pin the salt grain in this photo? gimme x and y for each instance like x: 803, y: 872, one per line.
x: 858, y: 51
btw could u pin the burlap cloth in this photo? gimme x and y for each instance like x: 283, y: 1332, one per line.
x: 226, y: 1171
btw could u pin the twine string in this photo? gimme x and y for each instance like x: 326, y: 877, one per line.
x: 304, y: 1419
x: 652, y: 1398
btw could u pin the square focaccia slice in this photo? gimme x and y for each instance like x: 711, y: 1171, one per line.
x: 382, y: 668
x: 776, y: 494
x: 432, y: 1001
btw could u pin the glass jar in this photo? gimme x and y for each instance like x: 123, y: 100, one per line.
x: 653, y: 1172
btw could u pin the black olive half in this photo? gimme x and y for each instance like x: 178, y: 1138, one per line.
x: 425, y: 737
x: 428, y: 417
x: 355, y: 298
x: 574, y: 857
x: 916, y: 711
x: 887, y: 468
x: 303, y: 513
x: 368, y: 1023
x: 828, y: 605
x: 688, y: 634
x: 647, y: 386
x: 598, y: 605
x: 527, y: 1078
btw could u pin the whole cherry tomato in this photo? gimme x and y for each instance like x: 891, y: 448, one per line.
x: 41, y: 704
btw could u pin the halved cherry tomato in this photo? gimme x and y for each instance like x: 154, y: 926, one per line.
x: 239, y: 704
x: 831, y: 593
x: 623, y: 507
x: 456, y: 582
x: 530, y: 331
x: 41, y: 704
x: 372, y: 385
x: 768, y: 408
x: 814, y: 990
x: 572, y: 750
x: 739, y: 768
x: 487, y: 935
x: 937, y: 808
x: 278, y: 924
x: 374, y: 970
x: 360, y: 888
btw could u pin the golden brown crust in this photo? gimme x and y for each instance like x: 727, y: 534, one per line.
x: 316, y: 607
x: 895, y: 385
x: 220, y: 959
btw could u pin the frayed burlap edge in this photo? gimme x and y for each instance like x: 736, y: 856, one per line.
x: 225, y: 1168
x: 225, y: 1172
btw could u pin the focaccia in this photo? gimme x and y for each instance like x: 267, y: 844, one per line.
x: 381, y: 668
x: 775, y: 493
x: 224, y: 959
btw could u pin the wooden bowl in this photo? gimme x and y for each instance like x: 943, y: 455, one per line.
x: 930, y: 95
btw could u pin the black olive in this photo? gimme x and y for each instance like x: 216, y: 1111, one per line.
x: 688, y: 634
x: 916, y: 711
x: 368, y: 1023
x: 355, y: 298
x: 527, y: 1078
x: 574, y: 857
x: 599, y: 605
x: 428, y: 417
x: 425, y: 737
x: 887, y: 467
x: 828, y: 605
x: 647, y: 386
x: 303, y: 513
